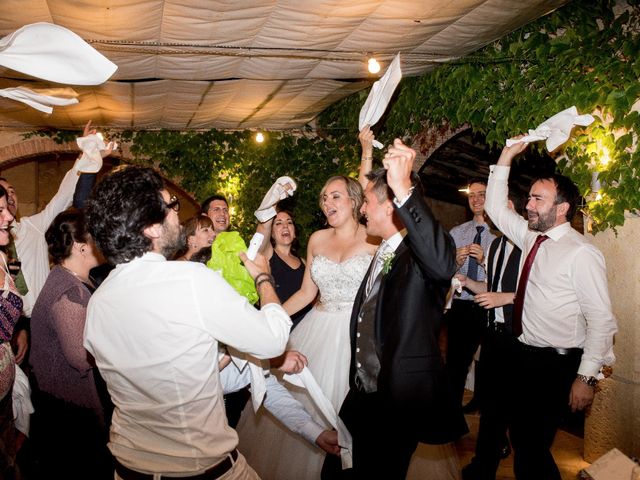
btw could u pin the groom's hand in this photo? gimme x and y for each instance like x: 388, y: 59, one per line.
x: 399, y: 163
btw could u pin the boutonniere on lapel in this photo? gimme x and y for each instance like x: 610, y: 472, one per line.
x: 387, y: 259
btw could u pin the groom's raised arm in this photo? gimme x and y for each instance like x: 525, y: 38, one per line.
x: 432, y: 246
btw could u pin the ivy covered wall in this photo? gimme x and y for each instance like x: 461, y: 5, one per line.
x: 585, y: 54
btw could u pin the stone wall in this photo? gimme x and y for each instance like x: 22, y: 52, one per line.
x: 35, y: 167
x: 614, y: 420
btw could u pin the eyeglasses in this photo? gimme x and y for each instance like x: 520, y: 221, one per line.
x: 174, y: 203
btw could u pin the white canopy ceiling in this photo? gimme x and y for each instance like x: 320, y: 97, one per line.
x: 236, y: 64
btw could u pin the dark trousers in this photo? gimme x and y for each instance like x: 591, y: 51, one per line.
x: 383, y: 441
x: 541, y: 385
x: 497, y: 358
x: 8, y: 468
x: 69, y: 439
x: 466, y: 324
x: 234, y: 404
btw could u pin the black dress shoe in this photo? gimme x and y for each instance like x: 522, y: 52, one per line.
x: 471, y: 407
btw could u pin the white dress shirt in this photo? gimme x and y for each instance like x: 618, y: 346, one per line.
x: 31, y: 246
x: 153, y: 327
x: 567, y: 301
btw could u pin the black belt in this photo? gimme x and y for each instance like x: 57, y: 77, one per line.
x: 554, y: 350
x: 218, y: 470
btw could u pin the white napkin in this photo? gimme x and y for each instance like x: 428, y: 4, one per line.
x: 22, y: 406
x: 379, y: 96
x: 258, y: 385
x: 305, y: 379
x: 91, y: 159
x: 456, y: 286
x: 41, y: 99
x: 555, y: 130
x: 54, y: 53
x: 276, y: 193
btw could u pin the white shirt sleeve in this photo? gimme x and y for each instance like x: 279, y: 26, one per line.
x: 235, y: 322
x: 278, y: 401
x: 590, y: 283
x: 59, y: 203
x: 289, y: 411
x: 508, y: 222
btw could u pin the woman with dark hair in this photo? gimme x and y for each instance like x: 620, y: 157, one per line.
x: 287, y: 267
x: 199, y: 234
x: 69, y: 429
x: 10, y: 310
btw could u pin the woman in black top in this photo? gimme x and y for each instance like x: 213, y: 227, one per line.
x: 287, y: 267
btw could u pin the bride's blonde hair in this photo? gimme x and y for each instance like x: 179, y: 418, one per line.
x: 354, y: 191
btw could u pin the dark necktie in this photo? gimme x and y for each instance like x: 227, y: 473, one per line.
x: 497, y: 272
x: 522, y: 286
x: 472, y: 270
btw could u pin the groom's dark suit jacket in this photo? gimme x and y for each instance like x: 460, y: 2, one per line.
x: 408, y: 317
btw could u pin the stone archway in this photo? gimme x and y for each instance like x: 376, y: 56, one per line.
x: 431, y: 138
x: 36, y: 166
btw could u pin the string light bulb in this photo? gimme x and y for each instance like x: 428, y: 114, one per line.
x: 259, y: 137
x: 464, y: 190
x: 373, y: 65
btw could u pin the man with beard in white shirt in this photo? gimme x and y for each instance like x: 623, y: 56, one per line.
x: 153, y: 328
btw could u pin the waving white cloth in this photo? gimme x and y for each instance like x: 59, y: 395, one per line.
x: 555, y: 130
x: 54, y: 53
x: 91, y: 159
x: 305, y: 379
x: 456, y: 286
x: 258, y: 385
x: 276, y: 193
x: 379, y: 96
x: 21, y: 397
x: 41, y: 99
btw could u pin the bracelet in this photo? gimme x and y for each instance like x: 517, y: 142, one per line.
x: 367, y: 158
x: 269, y: 280
x: 261, y: 276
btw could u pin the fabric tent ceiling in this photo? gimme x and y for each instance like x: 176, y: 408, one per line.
x: 236, y: 64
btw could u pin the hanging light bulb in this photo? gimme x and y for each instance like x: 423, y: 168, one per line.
x: 373, y: 65
x: 259, y: 137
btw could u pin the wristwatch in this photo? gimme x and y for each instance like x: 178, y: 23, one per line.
x: 591, y: 381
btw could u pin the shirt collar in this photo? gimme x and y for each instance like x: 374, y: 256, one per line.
x: 559, y: 231
x: 396, y: 239
x: 147, y: 257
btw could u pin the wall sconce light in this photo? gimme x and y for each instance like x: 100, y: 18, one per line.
x: 259, y: 137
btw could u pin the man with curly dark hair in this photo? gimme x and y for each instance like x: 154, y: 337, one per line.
x: 153, y: 327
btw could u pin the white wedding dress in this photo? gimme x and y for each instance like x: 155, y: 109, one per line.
x: 323, y: 337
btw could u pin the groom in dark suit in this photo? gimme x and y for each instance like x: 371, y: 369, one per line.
x: 399, y: 391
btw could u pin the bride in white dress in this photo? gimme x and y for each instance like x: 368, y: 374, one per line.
x: 337, y: 259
